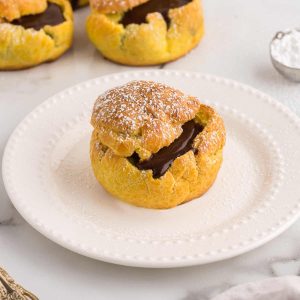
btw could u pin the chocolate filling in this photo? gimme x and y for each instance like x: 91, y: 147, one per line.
x: 138, y: 14
x: 52, y: 16
x: 74, y: 3
x: 161, y: 161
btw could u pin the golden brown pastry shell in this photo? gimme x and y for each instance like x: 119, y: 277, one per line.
x: 189, y: 176
x: 22, y: 48
x: 150, y: 43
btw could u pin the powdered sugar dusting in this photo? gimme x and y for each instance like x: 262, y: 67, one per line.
x: 140, y: 105
x: 142, y: 116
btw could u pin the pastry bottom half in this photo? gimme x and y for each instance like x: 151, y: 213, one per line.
x: 189, y: 177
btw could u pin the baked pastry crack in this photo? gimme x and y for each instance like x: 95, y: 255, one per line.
x: 52, y: 16
x: 138, y: 14
x: 161, y: 161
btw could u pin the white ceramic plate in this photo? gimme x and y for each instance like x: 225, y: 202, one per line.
x: 48, y: 176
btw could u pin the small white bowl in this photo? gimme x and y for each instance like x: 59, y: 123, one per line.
x: 288, y: 72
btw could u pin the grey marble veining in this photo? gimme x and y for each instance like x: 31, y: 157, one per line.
x: 7, y: 222
x: 235, y: 46
x: 11, y: 218
x: 286, y: 266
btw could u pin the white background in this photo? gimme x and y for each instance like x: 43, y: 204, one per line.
x: 235, y: 46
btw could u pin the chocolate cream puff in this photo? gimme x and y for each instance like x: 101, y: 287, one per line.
x: 33, y: 32
x: 145, y: 32
x: 153, y: 146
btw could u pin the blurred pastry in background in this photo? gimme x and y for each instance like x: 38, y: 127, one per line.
x: 33, y: 32
x: 145, y: 32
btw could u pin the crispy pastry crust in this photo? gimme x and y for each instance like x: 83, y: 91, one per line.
x: 141, y: 116
x: 22, y: 48
x: 150, y: 43
x: 190, y: 175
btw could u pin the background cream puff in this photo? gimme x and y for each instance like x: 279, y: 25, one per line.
x: 145, y: 32
x: 33, y: 32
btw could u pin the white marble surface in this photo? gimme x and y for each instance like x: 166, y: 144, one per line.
x: 235, y: 46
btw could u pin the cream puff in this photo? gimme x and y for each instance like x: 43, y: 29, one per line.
x: 153, y: 146
x: 145, y: 32
x: 33, y: 32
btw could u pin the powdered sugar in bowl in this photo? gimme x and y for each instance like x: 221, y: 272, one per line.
x: 285, y: 54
